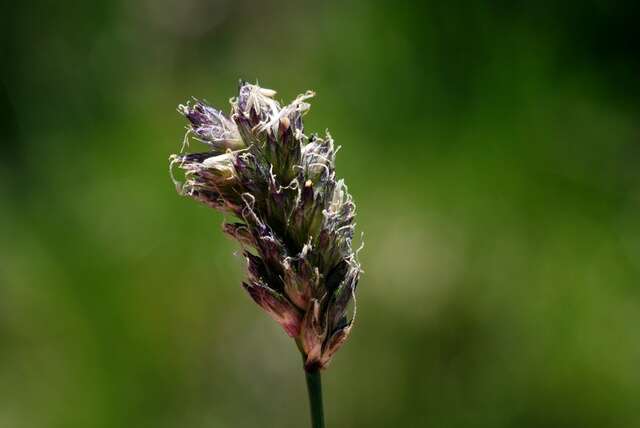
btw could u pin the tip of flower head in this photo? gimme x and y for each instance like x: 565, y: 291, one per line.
x: 264, y: 91
x: 267, y: 92
x: 211, y: 126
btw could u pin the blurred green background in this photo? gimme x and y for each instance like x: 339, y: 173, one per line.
x: 493, y: 149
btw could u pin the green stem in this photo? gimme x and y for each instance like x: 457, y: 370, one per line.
x: 314, y: 387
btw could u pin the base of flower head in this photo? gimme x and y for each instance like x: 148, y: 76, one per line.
x: 277, y: 306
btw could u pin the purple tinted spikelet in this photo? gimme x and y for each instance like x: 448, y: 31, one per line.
x: 295, y: 219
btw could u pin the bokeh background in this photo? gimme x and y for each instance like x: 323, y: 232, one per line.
x: 493, y: 149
